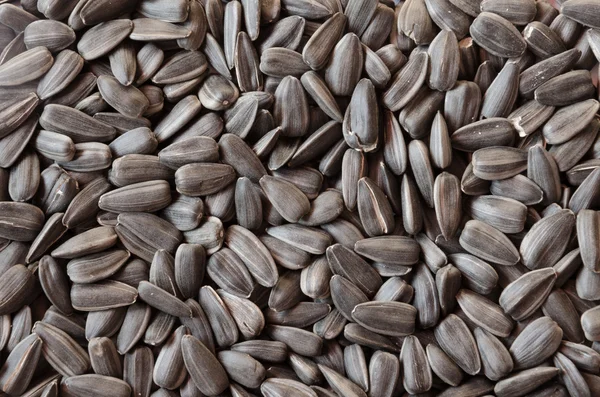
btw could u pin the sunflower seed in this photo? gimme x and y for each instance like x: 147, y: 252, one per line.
x: 17, y: 371
x: 104, y: 357
x: 497, y: 35
x: 455, y: 338
x: 536, y: 343
x: 61, y: 351
x: 102, y: 296
x: 562, y: 126
x: 525, y: 381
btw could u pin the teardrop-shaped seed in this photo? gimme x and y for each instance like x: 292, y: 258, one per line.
x: 102, y: 296
x: 415, y: 22
x: 127, y: 100
x: 485, y: 313
x: 75, y: 124
x: 406, y: 82
x: 308, y: 239
x: 61, y: 351
x: 346, y: 263
x: 104, y: 357
x: 525, y: 295
x: 416, y: 370
x: 536, y: 343
x: 148, y: 196
x: 247, y: 64
x: 488, y: 243
x: 253, y: 253
x: 229, y: 272
x: 143, y: 234
x: 102, y: 38
x: 455, y: 338
x: 497, y: 35
x: 546, y: 241
x: 317, y: 49
x: 443, y: 366
x: 17, y: 280
x: 289, y: 201
x: 503, y: 213
x: 386, y: 318
x: 285, y: 33
x: 498, y: 162
x: 25, y: 67
x: 519, y: 188
x: 374, y: 208
x: 343, y: 71
x: 17, y: 371
x: 569, y: 121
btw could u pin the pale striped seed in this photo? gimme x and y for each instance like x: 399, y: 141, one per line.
x: 587, y: 232
x: 61, y: 351
x: 104, y: 357
x: 525, y: 381
x: 455, y: 338
x: 563, y: 125
x: 575, y: 86
x: 20, y: 221
x: 488, y: 243
x: 75, y: 124
x: 209, y: 234
x: 499, y: 162
x: 17, y: 113
x: 103, y: 38
x: 24, y: 177
x: 516, y: 12
x: 394, y: 318
x: 246, y: 314
x: 495, y: 131
x: 228, y: 271
x: 571, y: 152
x: 102, y: 296
x: 519, y: 188
x: 559, y: 307
x: 570, y: 376
x: 203, y: 178
x: 495, y: 358
x: 301, y: 315
x: 417, y: 116
x: 346, y: 263
x: 546, y: 241
x: 415, y: 22
x: 103, y: 386
x: 484, y: 313
x: 289, y: 201
x: 536, y: 343
x: 374, y: 208
x: 274, y: 387
x: 123, y: 62
x: 443, y: 366
x: 497, y: 35
x: 18, y: 369
x: 503, y: 213
x: 147, y: 29
x: 525, y: 295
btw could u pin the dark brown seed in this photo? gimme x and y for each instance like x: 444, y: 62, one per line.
x: 546, y: 241
x: 536, y: 343
x: 497, y: 35
x: 100, y: 385
x: 61, y: 351
x: 456, y: 340
x: 485, y: 313
x: 102, y: 296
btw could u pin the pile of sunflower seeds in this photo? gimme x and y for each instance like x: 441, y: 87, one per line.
x: 299, y: 198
